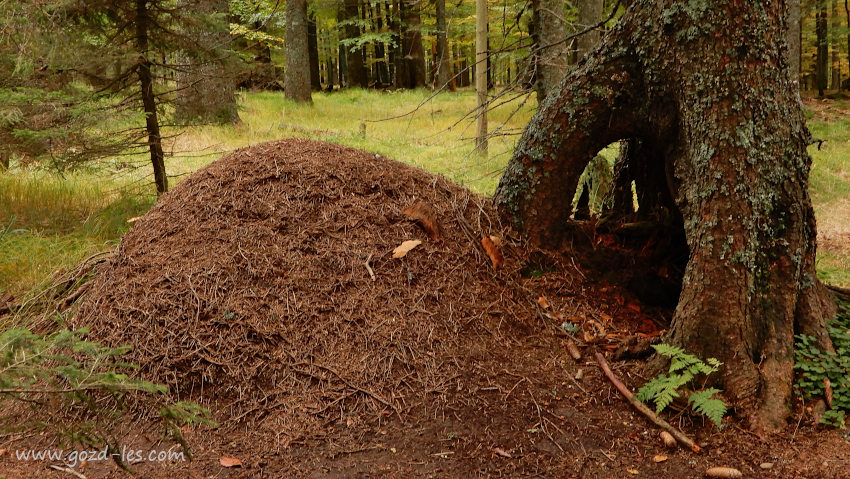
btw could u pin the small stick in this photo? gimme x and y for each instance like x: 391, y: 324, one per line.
x: 679, y: 435
x: 369, y: 268
x: 69, y: 471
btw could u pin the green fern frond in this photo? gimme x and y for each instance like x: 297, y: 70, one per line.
x: 684, y: 367
x: 703, y: 403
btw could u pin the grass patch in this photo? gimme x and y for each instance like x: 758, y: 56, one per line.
x: 830, y: 189
x: 429, y: 137
x: 51, y: 223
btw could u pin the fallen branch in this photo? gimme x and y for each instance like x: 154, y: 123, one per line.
x: 679, y: 435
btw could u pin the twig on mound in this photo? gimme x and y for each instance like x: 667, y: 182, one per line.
x: 679, y: 435
x: 369, y: 268
x: 69, y: 471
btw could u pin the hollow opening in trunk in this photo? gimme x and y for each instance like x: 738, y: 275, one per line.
x: 626, y: 225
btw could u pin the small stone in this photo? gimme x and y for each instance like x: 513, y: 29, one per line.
x: 766, y: 465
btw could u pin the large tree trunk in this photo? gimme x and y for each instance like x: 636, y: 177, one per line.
x: 707, y: 87
x: 550, y: 50
x: 143, y: 70
x: 297, y: 71
x: 205, y: 83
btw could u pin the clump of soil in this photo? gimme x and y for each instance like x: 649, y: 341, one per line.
x: 251, y: 285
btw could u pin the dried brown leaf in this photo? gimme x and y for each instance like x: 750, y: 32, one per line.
x: 230, y: 462
x: 404, y: 248
x: 422, y: 213
x: 492, y: 251
x: 543, y: 302
x: 501, y: 452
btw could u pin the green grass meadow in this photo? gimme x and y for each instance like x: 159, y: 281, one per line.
x: 49, y: 223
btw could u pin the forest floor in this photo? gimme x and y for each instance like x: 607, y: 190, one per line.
x: 264, y: 287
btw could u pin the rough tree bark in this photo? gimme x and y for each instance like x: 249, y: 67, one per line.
x: 143, y: 71
x: 297, y: 73
x: 551, y: 52
x: 705, y: 85
x: 205, y: 84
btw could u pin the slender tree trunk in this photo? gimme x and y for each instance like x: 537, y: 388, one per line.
x: 297, y: 72
x: 738, y: 167
x: 847, y: 14
x: 551, y: 51
x: 356, y: 73
x: 313, y: 52
x: 589, y: 14
x: 442, y: 58
x: 794, y: 39
x: 143, y: 70
x: 822, y: 57
x: 205, y: 83
x: 368, y: 66
x: 835, y: 82
x: 414, y: 52
x: 481, y: 74
x: 383, y: 77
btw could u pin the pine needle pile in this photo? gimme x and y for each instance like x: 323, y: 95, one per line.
x: 266, y: 283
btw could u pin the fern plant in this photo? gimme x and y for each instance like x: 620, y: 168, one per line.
x: 813, y: 366
x: 684, y: 368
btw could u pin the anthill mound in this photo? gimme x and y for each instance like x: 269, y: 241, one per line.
x: 267, y: 279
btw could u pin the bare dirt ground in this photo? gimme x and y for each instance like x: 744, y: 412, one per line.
x: 265, y: 288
